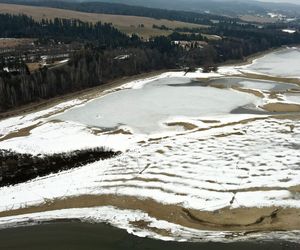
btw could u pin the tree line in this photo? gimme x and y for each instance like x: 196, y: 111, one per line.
x: 88, y: 67
x: 241, y: 40
x: 16, y: 167
x: 19, y: 26
x: 107, y: 54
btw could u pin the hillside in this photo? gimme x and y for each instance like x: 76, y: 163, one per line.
x: 219, y: 7
x: 127, y: 24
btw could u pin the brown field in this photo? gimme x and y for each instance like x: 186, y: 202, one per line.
x: 33, y: 66
x: 257, y: 19
x: 127, y: 24
x: 14, y: 42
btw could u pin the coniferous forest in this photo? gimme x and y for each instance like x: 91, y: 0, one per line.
x: 98, y: 60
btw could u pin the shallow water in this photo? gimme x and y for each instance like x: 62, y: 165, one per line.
x: 284, y: 63
x: 79, y: 236
x: 254, y: 84
x: 145, y: 109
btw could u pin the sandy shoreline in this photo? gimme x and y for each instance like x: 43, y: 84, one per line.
x: 225, y: 219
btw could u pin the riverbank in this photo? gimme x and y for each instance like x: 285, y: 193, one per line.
x: 90, y: 92
x: 249, y: 59
x: 82, y: 94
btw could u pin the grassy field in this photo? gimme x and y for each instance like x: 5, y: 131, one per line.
x: 127, y: 24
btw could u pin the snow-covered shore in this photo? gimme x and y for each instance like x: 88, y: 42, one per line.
x: 218, y: 161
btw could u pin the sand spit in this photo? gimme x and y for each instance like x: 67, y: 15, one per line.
x: 185, y: 125
x: 252, y: 219
x: 250, y: 91
x: 270, y: 78
x: 281, y: 107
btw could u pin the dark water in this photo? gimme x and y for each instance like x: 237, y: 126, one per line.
x: 73, y: 236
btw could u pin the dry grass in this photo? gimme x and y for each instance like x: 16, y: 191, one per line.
x: 33, y: 66
x: 257, y: 19
x: 127, y: 24
x: 14, y: 42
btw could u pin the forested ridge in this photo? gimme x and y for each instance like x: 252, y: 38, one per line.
x: 108, y: 54
x: 96, y: 63
x: 202, y: 7
x: 87, y: 68
x: 124, y: 9
x: 243, y: 40
x: 61, y: 29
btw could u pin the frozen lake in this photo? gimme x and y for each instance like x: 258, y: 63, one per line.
x: 283, y: 63
x: 293, y: 97
x: 254, y: 84
x: 236, y: 162
x: 145, y: 109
